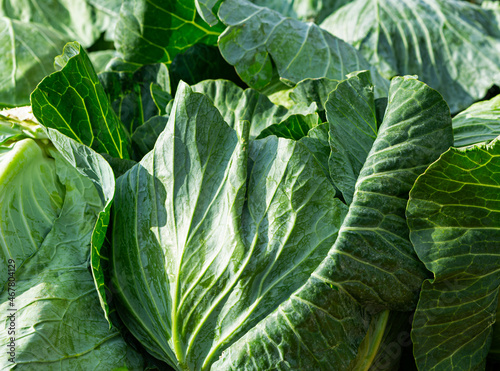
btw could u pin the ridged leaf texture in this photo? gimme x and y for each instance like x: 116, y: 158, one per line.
x: 73, y: 101
x: 212, y: 232
x: 454, y: 218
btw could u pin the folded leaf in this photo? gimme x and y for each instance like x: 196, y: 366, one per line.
x: 453, y: 46
x: 55, y: 198
x: 353, y: 129
x: 132, y: 95
x: 454, y: 218
x: 236, y: 104
x: 480, y: 123
x: 73, y: 101
x: 211, y: 233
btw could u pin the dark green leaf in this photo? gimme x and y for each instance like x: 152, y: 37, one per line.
x: 154, y: 31
x: 144, y: 138
x: 202, y: 62
x: 136, y: 97
x: 259, y: 40
x: 453, y: 46
x: 353, y: 129
x: 454, y: 218
x: 240, y: 226
x: 73, y: 101
x: 293, y: 127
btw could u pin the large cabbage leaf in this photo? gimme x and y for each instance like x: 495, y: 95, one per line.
x: 453, y: 46
x: 454, y: 218
x: 216, y: 254
x: 23, y: 67
x: 55, y: 196
x: 214, y: 233
x: 372, y: 260
x: 263, y: 46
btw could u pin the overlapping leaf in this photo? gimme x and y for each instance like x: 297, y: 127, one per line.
x: 73, y: 101
x: 372, y: 259
x: 133, y: 95
x: 454, y: 220
x: 215, y: 256
x: 453, y: 46
x: 236, y: 104
x: 479, y: 123
x: 155, y: 31
x: 22, y: 67
x: 55, y: 200
x: 258, y: 40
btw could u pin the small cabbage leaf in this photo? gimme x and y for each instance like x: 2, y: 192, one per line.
x: 73, y: 101
x: 154, y: 31
x: 478, y: 124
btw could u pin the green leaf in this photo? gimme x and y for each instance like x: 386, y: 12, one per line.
x: 353, y: 129
x: 154, y: 31
x: 259, y: 40
x: 55, y: 198
x: 293, y: 127
x: 372, y: 260
x: 480, y: 123
x: 201, y: 62
x: 453, y: 214
x: 237, y: 227
x: 19, y: 123
x: 73, y: 101
x: 236, y: 104
x: 453, y: 46
x: 101, y: 58
x: 27, y: 56
x: 313, y: 90
x: 317, y: 143
x: 144, y: 138
x: 133, y: 95
x: 304, y: 10
x: 72, y: 19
